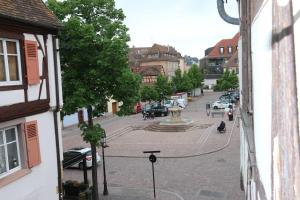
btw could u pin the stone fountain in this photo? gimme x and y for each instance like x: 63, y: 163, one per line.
x: 175, y: 117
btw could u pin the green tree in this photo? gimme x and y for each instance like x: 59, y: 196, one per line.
x: 93, y: 48
x: 181, y: 83
x: 186, y: 84
x: 229, y: 80
x: 149, y: 93
x: 163, y: 87
x: 196, y: 77
x: 129, y: 84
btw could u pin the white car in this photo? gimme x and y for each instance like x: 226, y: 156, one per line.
x: 72, y: 153
x: 168, y: 103
x: 221, y: 104
x: 177, y: 102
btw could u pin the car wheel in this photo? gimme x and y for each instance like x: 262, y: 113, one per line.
x: 215, y: 107
x: 81, y: 166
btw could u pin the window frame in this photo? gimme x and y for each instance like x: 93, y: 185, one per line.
x: 8, y: 172
x: 230, y: 50
x: 222, y: 50
x: 8, y: 82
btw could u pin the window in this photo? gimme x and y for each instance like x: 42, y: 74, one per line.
x: 10, y: 67
x: 18, y: 149
x: 221, y: 50
x: 9, y: 151
x: 230, y: 50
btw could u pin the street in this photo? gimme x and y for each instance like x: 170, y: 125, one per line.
x: 197, y: 164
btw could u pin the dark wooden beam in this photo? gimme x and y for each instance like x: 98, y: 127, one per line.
x: 19, y: 110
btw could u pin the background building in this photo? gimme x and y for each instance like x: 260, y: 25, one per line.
x: 219, y: 58
x: 158, y: 55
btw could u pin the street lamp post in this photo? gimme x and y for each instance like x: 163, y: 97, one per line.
x: 104, y: 145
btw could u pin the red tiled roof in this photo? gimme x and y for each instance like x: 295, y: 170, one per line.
x: 151, y: 70
x: 225, y: 43
x: 32, y: 12
x: 163, y: 49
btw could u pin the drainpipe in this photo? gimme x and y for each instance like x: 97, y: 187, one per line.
x: 55, y: 112
x: 223, y: 14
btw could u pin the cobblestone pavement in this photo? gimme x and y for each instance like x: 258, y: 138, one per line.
x: 198, y: 164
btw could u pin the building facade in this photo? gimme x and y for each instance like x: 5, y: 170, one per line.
x: 30, y: 100
x: 157, y: 55
x: 269, y: 57
x: 219, y: 58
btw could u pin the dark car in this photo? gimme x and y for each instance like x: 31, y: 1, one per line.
x: 228, y: 97
x: 235, y: 94
x: 156, y: 108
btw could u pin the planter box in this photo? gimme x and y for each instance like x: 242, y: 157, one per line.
x: 77, y: 191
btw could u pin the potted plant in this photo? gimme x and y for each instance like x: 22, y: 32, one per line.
x: 76, y: 190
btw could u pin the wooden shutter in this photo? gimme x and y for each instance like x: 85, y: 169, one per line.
x: 32, y: 65
x: 32, y: 141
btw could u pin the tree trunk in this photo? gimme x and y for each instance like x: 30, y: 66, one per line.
x: 94, y: 157
x: 80, y: 117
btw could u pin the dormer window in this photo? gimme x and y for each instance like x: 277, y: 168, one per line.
x: 221, y: 50
x: 10, y: 67
x: 230, y: 49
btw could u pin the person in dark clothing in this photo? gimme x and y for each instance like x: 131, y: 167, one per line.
x: 222, y: 127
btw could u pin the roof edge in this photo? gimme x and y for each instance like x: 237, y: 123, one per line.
x: 43, y: 25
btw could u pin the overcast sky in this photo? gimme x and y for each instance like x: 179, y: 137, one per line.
x: 191, y: 26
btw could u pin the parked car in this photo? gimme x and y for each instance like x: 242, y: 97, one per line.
x: 235, y: 94
x: 221, y: 104
x: 168, y: 103
x: 228, y: 97
x: 181, y: 103
x: 178, y: 102
x: 75, y: 152
x: 156, y: 108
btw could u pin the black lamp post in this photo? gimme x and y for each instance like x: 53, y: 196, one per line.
x: 104, y: 145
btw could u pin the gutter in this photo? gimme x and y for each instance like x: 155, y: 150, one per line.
x: 224, y: 15
x: 55, y: 112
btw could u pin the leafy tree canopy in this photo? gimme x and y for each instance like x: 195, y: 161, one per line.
x: 229, y: 80
x: 181, y: 83
x: 149, y: 93
x: 93, y: 54
x: 195, y: 76
x: 163, y: 87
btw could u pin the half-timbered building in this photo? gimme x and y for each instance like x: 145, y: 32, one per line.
x: 30, y: 100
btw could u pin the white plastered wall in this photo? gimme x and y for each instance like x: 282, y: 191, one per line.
x: 262, y: 91
x: 11, y: 97
x: 41, y: 182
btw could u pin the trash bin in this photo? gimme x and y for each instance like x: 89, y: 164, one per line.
x: 208, y: 109
x: 230, y: 115
x: 207, y: 106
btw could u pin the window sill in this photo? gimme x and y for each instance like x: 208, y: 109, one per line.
x: 13, y: 177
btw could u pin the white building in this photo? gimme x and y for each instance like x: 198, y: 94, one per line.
x: 30, y: 99
x: 269, y: 57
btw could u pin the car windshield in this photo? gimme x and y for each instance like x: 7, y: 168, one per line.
x: 168, y: 102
